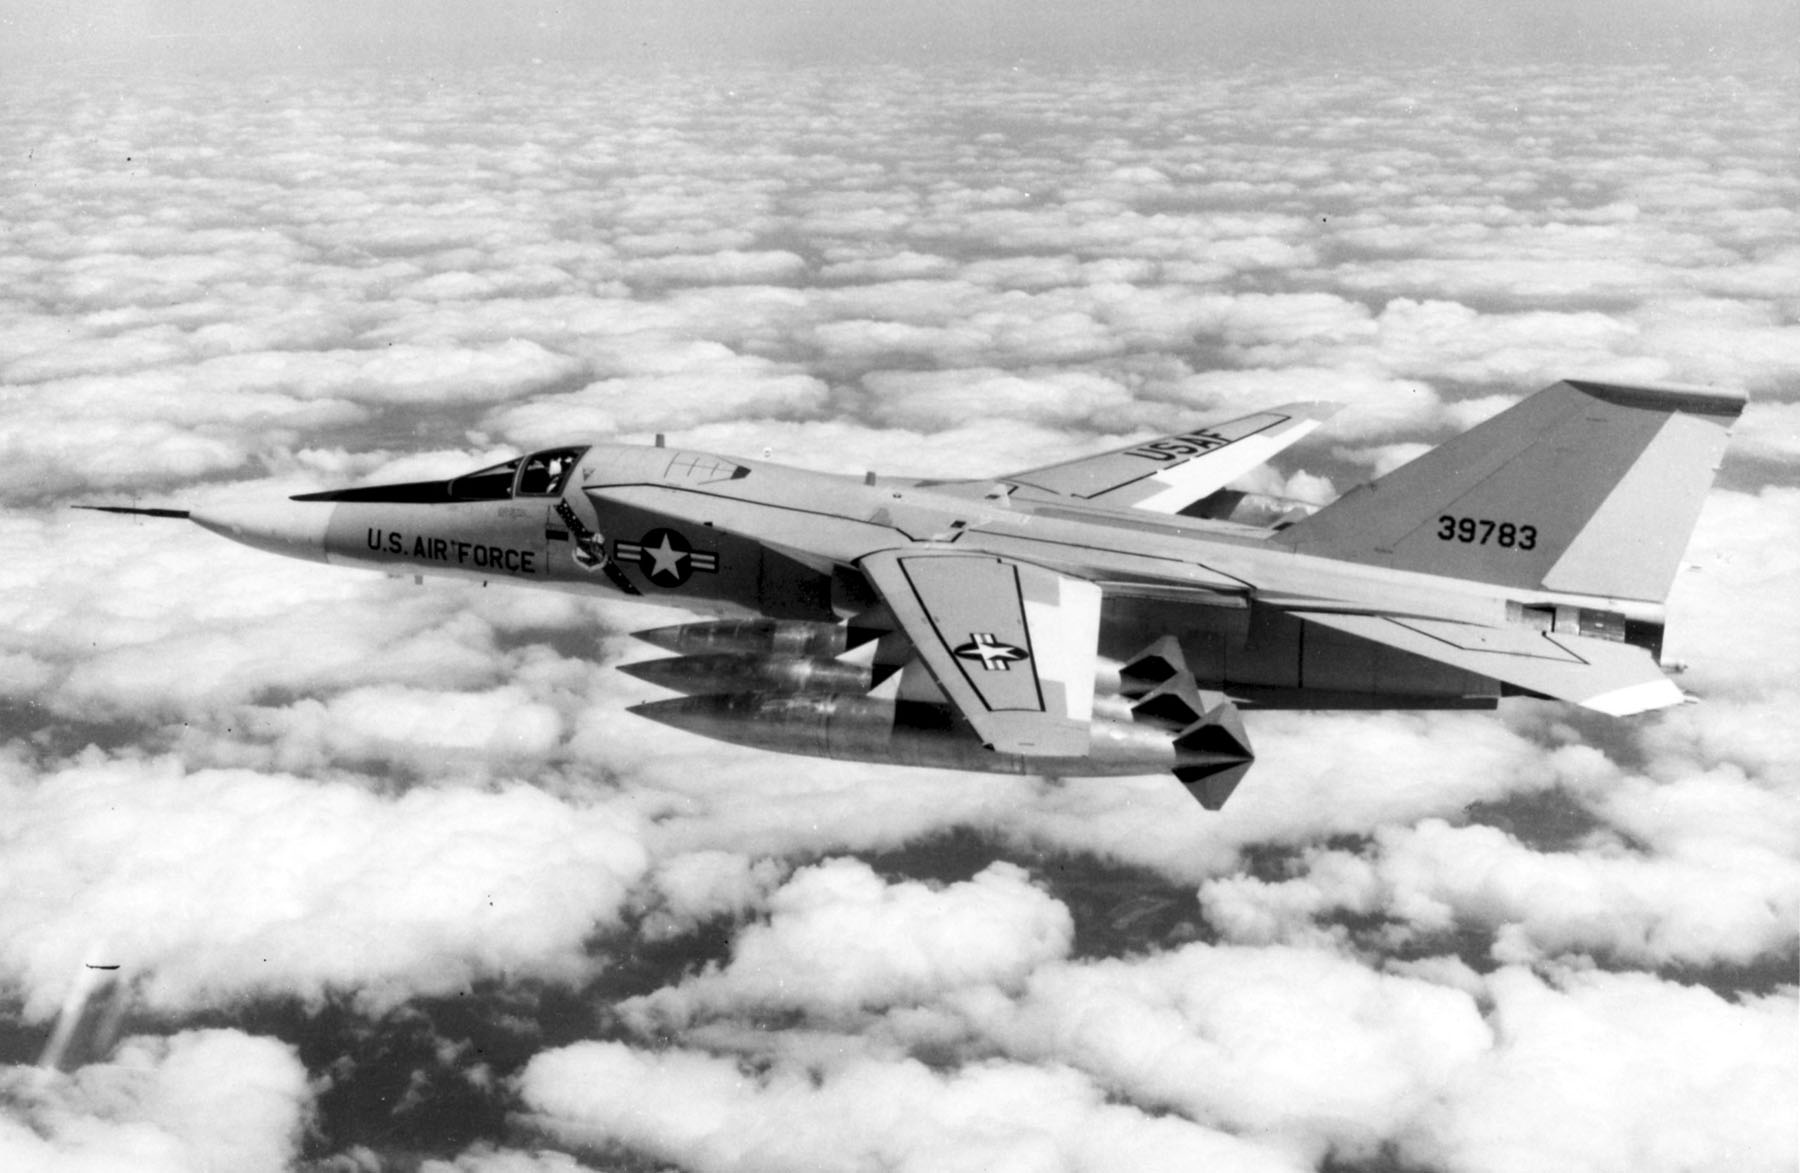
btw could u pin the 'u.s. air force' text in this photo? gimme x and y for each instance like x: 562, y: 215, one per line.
x: 455, y: 552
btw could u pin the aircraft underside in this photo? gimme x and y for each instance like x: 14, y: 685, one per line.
x: 853, y: 692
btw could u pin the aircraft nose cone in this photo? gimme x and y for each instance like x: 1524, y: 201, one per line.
x: 293, y: 528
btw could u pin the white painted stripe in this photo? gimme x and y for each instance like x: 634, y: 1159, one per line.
x: 1066, y: 637
x: 1636, y: 698
x: 1211, y: 471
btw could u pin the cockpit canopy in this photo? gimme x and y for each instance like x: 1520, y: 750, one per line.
x: 541, y: 474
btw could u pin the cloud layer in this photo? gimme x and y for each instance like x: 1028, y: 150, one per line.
x: 398, y: 861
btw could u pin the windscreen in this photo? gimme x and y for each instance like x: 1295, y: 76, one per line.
x: 546, y: 472
x: 488, y: 484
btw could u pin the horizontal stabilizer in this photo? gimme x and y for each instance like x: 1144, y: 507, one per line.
x: 1605, y: 675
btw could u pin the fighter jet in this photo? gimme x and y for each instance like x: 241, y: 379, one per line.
x: 1102, y: 616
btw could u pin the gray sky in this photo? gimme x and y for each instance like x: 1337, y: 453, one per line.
x: 180, y: 34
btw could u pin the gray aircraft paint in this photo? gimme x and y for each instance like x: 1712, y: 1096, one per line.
x: 1071, y: 619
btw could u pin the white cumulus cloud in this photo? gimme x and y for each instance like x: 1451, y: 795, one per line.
x: 198, y: 1100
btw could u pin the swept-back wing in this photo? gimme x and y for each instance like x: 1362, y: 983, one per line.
x: 1011, y: 644
x: 1605, y: 675
x: 1169, y: 474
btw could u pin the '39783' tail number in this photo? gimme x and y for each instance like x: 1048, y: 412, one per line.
x: 1482, y: 532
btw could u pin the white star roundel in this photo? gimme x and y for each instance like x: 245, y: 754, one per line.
x: 994, y: 655
x: 666, y: 558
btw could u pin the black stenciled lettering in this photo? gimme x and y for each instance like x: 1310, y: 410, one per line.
x: 1176, y: 448
x: 1508, y: 535
x: 462, y: 553
x: 440, y: 549
x: 396, y: 543
x: 374, y: 539
x: 525, y: 562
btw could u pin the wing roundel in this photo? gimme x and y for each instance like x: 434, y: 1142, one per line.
x: 1011, y: 644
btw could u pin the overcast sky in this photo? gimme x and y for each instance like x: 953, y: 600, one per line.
x: 184, y: 34
x: 391, y: 876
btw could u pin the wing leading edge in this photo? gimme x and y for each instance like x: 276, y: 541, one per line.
x: 1171, y: 473
x: 1011, y: 644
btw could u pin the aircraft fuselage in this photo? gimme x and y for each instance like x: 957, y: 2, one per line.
x: 674, y: 527
x: 1097, y: 616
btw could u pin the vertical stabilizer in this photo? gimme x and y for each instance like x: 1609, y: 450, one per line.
x: 1586, y: 487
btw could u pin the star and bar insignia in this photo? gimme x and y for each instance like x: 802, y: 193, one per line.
x: 994, y: 655
x: 666, y: 558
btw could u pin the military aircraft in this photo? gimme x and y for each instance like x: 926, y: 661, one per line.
x: 1101, y: 616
